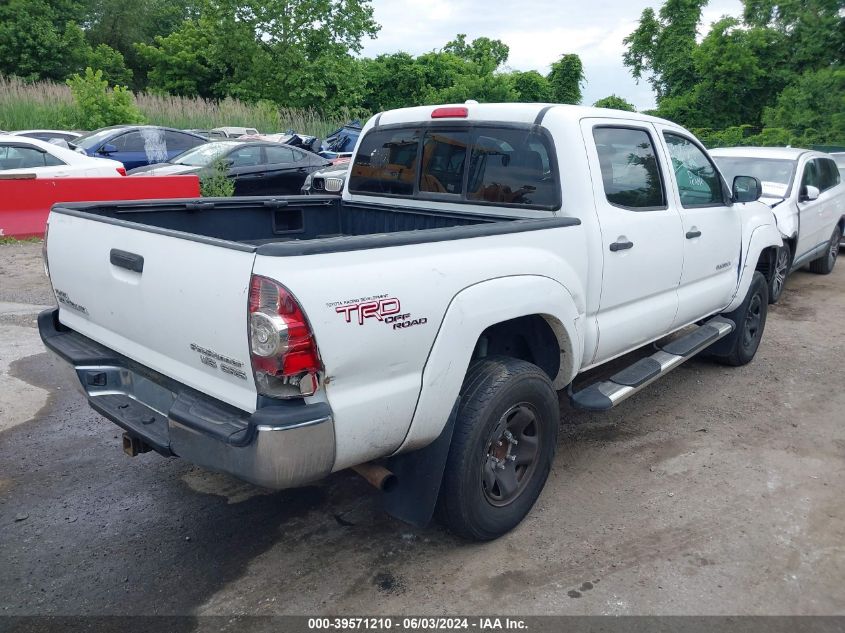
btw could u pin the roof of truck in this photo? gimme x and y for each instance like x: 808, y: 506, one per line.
x: 784, y: 153
x: 513, y: 112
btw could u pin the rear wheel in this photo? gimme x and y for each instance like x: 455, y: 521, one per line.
x: 502, y: 448
x: 824, y: 264
x: 777, y: 283
x: 750, y: 320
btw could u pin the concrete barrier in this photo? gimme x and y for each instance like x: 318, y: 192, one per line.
x: 25, y: 201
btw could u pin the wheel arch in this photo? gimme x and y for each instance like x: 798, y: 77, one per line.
x: 761, y: 240
x: 497, y: 310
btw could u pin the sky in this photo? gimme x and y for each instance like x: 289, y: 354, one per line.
x: 538, y: 32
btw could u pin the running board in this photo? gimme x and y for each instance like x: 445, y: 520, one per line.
x: 606, y: 394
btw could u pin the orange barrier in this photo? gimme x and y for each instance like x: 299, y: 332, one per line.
x: 25, y: 202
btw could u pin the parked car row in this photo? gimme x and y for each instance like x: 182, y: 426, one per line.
x: 23, y: 156
x: 256, y: 167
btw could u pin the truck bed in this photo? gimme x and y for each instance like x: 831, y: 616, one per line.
x: 301, y: 225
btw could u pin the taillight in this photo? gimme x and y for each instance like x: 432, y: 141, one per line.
x: 121, y: 171
x: 285, y: 361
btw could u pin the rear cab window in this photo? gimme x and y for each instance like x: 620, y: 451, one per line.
x: 471, y: 164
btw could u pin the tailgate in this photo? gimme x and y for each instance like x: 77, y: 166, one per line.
x: 182, y: 311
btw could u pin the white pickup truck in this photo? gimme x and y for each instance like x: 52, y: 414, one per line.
x: 806, y: 194
x: 481, y: 257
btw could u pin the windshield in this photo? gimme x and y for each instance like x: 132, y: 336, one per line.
x: 202, y: 155
x: 774, y: 174
x: 93, y: 139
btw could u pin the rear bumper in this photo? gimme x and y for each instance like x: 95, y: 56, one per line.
x: 282, y: 445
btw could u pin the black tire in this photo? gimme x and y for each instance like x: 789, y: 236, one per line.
x: 750, y: 320
x: 824, y: 264
x: 780, y: 271
x: 478, y: 500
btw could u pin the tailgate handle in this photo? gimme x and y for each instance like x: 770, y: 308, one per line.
x: 127, y: 260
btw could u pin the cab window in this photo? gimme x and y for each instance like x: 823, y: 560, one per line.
x: 444, y: 155
x: 699, y: 183
x: 629, y: 169
x: 511, y: 166
x: 474, y: 164
x: 386, y: 163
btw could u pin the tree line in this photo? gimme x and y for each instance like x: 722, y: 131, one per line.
x: 298, y: 53
x: 773, y: 76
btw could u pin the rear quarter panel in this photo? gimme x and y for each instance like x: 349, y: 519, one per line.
x: 374, y: 367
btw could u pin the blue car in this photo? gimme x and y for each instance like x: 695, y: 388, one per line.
x: 137, y: 145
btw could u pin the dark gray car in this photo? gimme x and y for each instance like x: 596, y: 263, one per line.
x: 257, y: 167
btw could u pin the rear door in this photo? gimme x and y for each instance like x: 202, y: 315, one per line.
x: 178, y: 142
x: 286, y: 170
x: 248, y: 168
x: 641, y: 235
x: 809, y: 233
x: 173, y: 315
x: 818, y: 217
x: 712, y: 232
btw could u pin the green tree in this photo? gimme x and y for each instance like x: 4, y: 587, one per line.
x: 111, y: 62
x: 41, y: 39
x: 295, y: 53
x: 531, y: 87
x: 662, y: 45
x: 812, y: 30
x: 96, y: 106
x: 392, y: 81
x: 566, y: 79
x: 122, y: 25
x: 215, y: 182
x: 615, y: 103
x: 485, y: 53
x: 812, y: 107
x: 195, y: 60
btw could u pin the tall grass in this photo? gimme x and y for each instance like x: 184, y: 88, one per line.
x: 34, y: 105
x: 49, y: 105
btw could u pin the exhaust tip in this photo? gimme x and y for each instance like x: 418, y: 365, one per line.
x: 377, y: 476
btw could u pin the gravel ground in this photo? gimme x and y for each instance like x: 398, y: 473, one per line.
x: 715, y: 491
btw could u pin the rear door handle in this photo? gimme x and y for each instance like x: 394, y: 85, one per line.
x: 127, y: 260
x: 693, y: 234
x: 621, y: 246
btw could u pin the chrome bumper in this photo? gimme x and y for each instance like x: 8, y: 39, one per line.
x: 282, y: 445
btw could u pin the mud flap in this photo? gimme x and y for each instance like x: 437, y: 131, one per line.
x: 418, y: 476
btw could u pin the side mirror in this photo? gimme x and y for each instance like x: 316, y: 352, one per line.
x: 809, y: 193
x: 746, y: 189
x: 107, y: 149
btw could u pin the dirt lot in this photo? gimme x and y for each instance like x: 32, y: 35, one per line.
x: 715, y: 491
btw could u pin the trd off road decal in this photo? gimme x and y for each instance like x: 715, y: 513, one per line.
x: 381, y: 308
